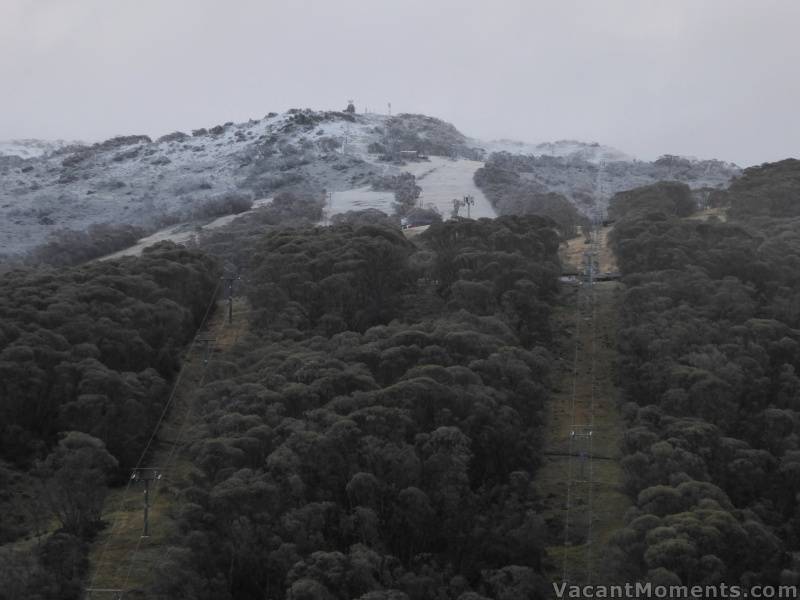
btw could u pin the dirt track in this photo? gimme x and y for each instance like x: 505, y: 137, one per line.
x: 119, y: 558
x: 583, y: 499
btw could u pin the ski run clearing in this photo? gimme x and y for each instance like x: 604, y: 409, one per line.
x: 441, y: 179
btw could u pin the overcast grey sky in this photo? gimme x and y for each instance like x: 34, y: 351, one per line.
x: 709, y: 78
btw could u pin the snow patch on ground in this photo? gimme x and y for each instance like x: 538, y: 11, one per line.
x: 442, y: 180
x: 182, y: 233
x: 359, y: 199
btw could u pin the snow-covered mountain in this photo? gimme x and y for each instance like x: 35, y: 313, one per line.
x: 149, y: 183
x: 135, y: 180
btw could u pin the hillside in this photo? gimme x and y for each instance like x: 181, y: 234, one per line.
x: 182, y: 177
x: 396, y: 417
x: 58, y: 191
x: 148, y: 183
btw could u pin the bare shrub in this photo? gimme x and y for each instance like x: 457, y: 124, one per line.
x: 368, y: 216
x: 329, y: 144
x: 230, y: 203
x: 67, y: 247
x: 175, y: 136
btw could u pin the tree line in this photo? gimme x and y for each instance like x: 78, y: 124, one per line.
x: 375, y: 434
x: 709, y: 350
x: 503, y: 180
x: 87, y: 355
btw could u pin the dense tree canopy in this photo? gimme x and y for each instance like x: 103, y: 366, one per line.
x: 86, y: 358
x: 668, y: 197
x: 709, y: 355
x: 769, y: 190
x: 91, y: 348
x: 376, y: 433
